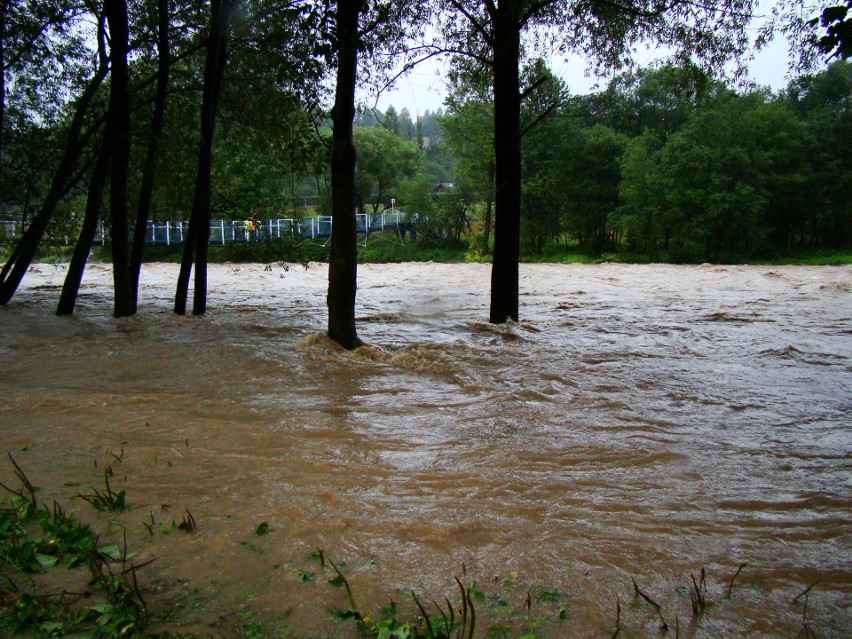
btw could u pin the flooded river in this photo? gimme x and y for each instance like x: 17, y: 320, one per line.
x: 639, y: 422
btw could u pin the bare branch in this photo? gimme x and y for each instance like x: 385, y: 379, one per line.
x: 540, y: 118
x: 476, y: 25
x: 529, y: 90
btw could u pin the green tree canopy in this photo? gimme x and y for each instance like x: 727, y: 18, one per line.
x: 384, y: 161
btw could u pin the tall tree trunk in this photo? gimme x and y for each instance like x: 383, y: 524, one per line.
x: 198, y: 237
x: 157, y: 120
x: 18, y: 263
x: 94, y: 201
x: 182, y: 291
x: 119, y: 122
x: 507, y: 156
x: 343, y: 260
x: 489, y: 209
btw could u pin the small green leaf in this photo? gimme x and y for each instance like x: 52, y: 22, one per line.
x: 46, y: 561
x: 53, y: 628
x: 406, y: 631
x: 337, y: 581
x: 348, y: 614
x: 262, y: 529
x: 111, y: 552
x: 102, y: 609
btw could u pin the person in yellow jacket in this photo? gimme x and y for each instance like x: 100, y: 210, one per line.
x: 251, y: 227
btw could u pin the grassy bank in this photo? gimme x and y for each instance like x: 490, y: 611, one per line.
x: 388, y: 248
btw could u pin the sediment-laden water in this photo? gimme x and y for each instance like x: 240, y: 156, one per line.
x: 639, y: 422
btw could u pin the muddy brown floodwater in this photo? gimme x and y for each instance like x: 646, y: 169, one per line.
x: 640, y: 422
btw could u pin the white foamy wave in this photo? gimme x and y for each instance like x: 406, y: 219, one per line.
x: 319, y: 341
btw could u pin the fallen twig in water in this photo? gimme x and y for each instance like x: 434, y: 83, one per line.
x: 806, y: 630
x: 617, y: 619
x: 663, y: 625
x: 731, y: 583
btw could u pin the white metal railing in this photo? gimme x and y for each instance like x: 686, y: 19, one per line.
x: 228, y: 231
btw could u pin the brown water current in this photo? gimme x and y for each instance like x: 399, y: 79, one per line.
x: 639, y: 422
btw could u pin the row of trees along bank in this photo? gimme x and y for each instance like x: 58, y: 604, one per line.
x: 101, y: 102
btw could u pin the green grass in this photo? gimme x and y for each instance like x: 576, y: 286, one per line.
x: 386, y: 247
x: 821, y: 257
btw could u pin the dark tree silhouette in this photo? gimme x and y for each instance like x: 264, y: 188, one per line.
x: 118, y: 121
x: 343, y: 262
x: 197, y: 241
x: 148, y: 170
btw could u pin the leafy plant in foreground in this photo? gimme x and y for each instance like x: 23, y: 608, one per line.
x: 35, y: 538
x: 107, y: 499
x: 446, y: 625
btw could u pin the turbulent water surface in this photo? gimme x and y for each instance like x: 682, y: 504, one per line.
x: 639, y: 422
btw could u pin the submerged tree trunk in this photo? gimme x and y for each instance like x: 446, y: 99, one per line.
x: 198, y: 236
x: 343, y: 260
x: 66, y: 174
x: 157, y: 120
x: 94, y: 201
x: 507, y: 157
x: 119, y: 123
x: 182, y: 291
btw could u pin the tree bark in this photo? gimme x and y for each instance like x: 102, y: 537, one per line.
x: 489, y: 208
x: 157, y: 120
x: 118, y: 120
x: 94, y: 201
x: 507, y: 157
x: 343, y: 260
x: 198, y: 237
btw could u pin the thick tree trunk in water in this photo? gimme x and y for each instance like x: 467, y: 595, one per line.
x: 147, y: 188
x: 94, y: 201
x: 198, y: 236
x: 507, y: 154
x: 182, y: 291
x: 343, y: 261
x: 489, y: 209
x: 119, y: 123
x: 18, y: 263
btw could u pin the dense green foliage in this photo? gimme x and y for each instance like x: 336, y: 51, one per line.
x: 665, y: 163
x: 670, y: 165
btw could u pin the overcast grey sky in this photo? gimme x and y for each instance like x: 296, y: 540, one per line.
x: 424, y: 88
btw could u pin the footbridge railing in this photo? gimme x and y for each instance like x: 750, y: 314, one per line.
x: 230, y: 231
